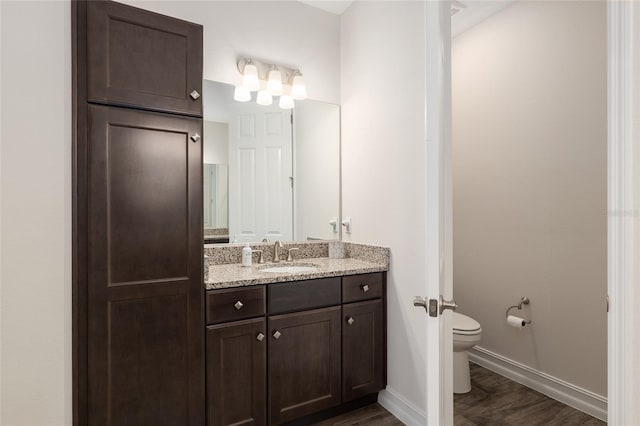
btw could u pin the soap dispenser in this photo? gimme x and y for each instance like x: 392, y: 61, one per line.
x: 246, y: 255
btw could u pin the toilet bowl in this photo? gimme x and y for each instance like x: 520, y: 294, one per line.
x: 466, y: 334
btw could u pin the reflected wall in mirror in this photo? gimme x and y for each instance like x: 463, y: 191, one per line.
x: 269, y: 173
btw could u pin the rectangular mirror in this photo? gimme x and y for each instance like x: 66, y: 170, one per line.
x: 269, y: 173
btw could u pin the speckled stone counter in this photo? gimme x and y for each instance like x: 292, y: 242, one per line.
x: 333, y: 259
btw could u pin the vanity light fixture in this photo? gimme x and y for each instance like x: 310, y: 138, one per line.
x: 270, y: 80
x: 250, y: 78
x: 298, y: 89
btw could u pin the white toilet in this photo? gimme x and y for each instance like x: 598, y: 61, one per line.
x: 466, y: 334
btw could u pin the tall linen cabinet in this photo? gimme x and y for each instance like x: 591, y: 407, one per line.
x: 138, y: 344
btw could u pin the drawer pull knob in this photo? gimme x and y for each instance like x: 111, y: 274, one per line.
x: 194, y: 95
x: 277, y: 335
x: 350, y: 320
x: 260, y: 337
x: 195, y: 138
x: 365, y: 287
x: 238, y: 305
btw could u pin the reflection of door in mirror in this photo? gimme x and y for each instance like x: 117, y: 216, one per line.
x: 260, y: 169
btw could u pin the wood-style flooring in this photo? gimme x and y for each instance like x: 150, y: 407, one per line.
x: 372, y: 414
x: 496, y: 400
x: 493, y: 400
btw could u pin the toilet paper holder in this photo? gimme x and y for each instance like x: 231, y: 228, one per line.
x: 523, y: 301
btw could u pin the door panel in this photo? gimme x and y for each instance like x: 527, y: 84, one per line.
x: 439, y: 334
x: 304, y: 363
x: 145, y: 345
x: 362, y: 349
x: 237, y: 373
x: 147, y: 335
x: 143, y: 59
x: 145, y: 245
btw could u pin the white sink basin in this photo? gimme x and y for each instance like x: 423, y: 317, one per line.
x: 290, y: 269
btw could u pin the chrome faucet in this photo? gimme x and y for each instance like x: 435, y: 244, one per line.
x: 276, y: 247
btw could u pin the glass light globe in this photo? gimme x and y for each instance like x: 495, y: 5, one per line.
x: 250, y: 78
x: 286, y: 102
x: 264, y: 98
x: 274, y: 84
x: 241, y: 94
x: 298, y: 89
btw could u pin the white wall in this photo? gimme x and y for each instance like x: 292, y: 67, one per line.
x: 530, y: 162
x: 35, y: 245
x: 316, y: 141
x: 285, y: 32
x: 383, y: 157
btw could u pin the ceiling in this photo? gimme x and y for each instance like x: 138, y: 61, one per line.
x: 468, y: 14
x: 336, y: 7
x: 472, y: 12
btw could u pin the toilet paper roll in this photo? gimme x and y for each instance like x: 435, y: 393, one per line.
x: 516, y: 322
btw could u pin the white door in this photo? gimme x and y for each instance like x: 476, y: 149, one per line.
x: 439, y: 344
x: 260, y: 173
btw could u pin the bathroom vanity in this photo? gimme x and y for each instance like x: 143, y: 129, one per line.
x: 283, y: 346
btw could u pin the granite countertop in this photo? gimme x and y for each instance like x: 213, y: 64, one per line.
x: 235, y: 275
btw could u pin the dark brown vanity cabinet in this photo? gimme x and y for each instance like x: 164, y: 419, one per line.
x: 304, y: 363
x: 237, y: 373
x: 321, y: 353
x: 143, y: 59
x: 138, y: 341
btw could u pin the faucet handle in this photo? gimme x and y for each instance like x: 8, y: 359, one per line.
x: 289, y: 257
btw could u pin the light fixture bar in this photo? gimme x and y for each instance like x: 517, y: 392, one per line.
x: 264, y: 67
x: 269, y: 80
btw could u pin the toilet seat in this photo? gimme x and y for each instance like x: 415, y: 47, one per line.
x: 464, y: 325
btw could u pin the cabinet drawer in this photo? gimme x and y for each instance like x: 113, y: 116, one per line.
x: 235, y: 303
x: 300, y: 295
x: 361, y: 287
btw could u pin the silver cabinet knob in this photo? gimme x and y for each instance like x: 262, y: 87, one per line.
x: 350, y: 320
x: 365, y: 287
x: 277, y: 335
x: 238, y: 305
x: 260, y: 337
x: 195, y: 138
x: 194, y: 95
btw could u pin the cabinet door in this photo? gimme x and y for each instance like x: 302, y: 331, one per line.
x: 237, y: 373
x: 362, y: 349
x: 144, y: 280
x: 143, y: 59
x: 304, y: 363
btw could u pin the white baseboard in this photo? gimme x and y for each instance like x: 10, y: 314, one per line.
x: 404, y: 410
x: 581, y: 399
